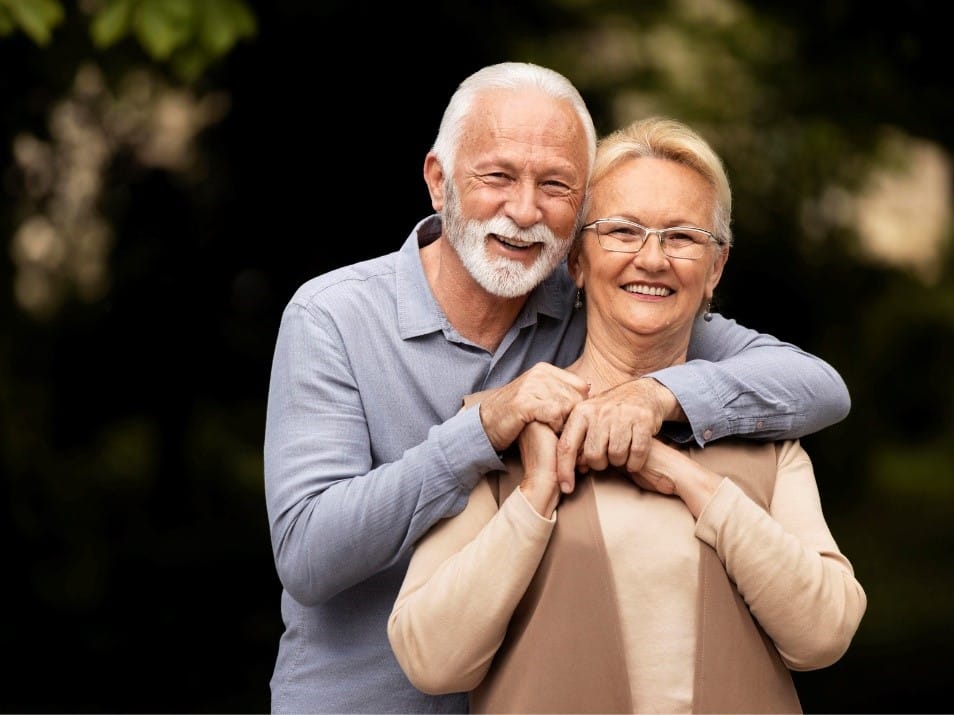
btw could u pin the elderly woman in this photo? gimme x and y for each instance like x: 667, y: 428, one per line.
x: 695, y: 585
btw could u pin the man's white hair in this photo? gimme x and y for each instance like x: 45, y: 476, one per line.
x: 506, y: 75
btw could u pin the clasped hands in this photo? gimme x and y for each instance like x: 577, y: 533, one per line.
x: 561, y: 428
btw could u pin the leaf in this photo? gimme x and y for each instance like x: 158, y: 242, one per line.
x: 36, y: 18
x: 243, y: 19
x: 190, y: 63
x: 7, y: 25
x: 111, y: 22
x: 163, y: 25
x: 222, y: 23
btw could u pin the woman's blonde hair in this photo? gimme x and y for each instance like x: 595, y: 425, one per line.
x: 665, y: 138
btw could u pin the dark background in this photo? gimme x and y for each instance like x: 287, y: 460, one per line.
x: 138, y: 571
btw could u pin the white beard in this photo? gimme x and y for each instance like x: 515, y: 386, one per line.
x: 500, y: 276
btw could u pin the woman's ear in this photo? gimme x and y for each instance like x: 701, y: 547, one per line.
x: 434, y: 178
x: 715, y: 275
x: 574, y: 260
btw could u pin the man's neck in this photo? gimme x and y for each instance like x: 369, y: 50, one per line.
x: 478, y: 316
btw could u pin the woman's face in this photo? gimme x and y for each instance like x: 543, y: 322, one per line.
x: 648, y: 292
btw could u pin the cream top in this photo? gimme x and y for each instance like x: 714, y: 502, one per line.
x: 469, y: 572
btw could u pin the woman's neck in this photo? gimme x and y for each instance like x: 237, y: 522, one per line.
x: 609, y: 363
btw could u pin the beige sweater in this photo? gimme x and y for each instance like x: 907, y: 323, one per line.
x: 470, y: 572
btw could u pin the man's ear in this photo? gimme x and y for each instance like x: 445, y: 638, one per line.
x: 434, y: 178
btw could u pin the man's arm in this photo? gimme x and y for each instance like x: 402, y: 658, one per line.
x: 336, y: 519
x: 737, y: 381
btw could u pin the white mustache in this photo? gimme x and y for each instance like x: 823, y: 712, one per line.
x: 503, y: 226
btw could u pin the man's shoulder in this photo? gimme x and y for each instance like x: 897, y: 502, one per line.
x: 344, y: 280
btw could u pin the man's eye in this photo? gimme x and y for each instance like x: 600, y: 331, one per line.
x: 556, y: 188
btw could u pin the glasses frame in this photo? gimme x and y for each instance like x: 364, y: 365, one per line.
x: 593, y: 225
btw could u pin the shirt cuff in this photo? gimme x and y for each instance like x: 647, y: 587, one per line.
x: 697, y: 398
x: 466, y: 448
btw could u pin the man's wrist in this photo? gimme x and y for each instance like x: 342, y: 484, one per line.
x: 669, y: 408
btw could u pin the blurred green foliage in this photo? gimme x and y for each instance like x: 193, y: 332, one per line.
x: 188, y: 34
x: 37, y: 18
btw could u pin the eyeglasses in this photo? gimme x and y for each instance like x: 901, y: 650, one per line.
x: 617, y: 234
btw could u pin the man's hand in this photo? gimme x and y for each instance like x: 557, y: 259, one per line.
x: 544, y: 393
x: 615, y: 428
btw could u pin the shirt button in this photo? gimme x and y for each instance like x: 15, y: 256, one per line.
x: 707, y: 435
x: 759, y: 424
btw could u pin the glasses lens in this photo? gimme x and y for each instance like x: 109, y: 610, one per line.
x: 629, y: 237
x: 684, y: 242
x: 620, y: 236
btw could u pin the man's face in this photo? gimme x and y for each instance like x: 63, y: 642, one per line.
x: 500, y: 274
x: 512, y: 208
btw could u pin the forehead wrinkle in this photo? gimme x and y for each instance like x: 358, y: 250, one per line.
x: 515, y: 131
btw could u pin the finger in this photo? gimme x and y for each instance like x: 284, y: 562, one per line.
x: 640, y: 481
x: 568, y: 485
x: 568, y: 448
x: 595, y: 445
x: 549, y: 376
x: 638, y: 450
x: 554, y: 409
x: 548, y: 404
x: 618, y: 445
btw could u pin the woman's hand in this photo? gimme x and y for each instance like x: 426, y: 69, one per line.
x: 540, y: 485
x: 670, y: 471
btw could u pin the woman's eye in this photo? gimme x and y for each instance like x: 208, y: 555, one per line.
x: 626, y: 233
x: 679, y: 239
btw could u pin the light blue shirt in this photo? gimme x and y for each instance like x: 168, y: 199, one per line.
x: 365, y: 449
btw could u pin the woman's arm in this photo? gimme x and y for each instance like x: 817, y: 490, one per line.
x: 785, y: 562
x: 466, y: 578
x: 787, y: 565
x: 469, y: 573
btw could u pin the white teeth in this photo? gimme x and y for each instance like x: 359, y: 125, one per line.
x: 648, y: 290
x: 516, y: 243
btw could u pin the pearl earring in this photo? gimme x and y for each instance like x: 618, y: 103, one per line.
x: 707, y: 316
